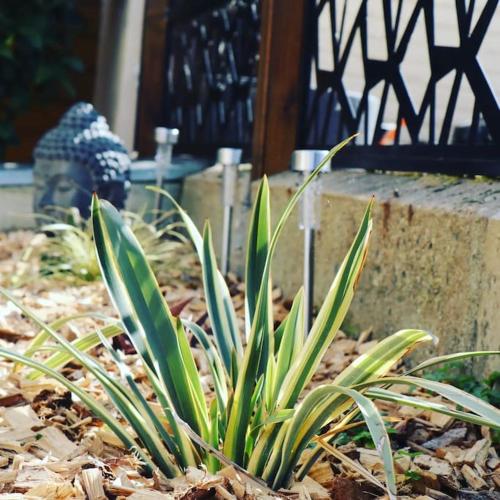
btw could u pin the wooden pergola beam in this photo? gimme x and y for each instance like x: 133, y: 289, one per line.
x: 150, y: 108
x: 280, y: 85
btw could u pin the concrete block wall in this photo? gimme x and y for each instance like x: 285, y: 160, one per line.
x: 434, y: 258
x: 16, y: 205
x: 202, y: 197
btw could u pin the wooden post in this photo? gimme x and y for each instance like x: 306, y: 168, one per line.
x: 150, y: 110
x: 119, y: 58
x: 279, y: 86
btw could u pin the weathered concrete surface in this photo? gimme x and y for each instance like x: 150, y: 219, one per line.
x: 202, y: 197
x: 434, y: 259
x: 16, y: 208
x: 16, y: 204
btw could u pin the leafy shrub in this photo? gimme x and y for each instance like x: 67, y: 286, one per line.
x: 261, y: 419
x: 36, y: 58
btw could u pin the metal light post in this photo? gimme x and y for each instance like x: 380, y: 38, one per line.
x: 230, y: 159
x: 165, y: 139
x: 304, y: 161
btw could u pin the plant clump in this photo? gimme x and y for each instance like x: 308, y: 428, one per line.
x: 64, y: 248
x: 262, y: 419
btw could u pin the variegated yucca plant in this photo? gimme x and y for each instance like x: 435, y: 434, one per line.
x: 261, y: 419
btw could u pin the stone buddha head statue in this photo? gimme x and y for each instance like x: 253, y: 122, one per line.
x: 78, y: 157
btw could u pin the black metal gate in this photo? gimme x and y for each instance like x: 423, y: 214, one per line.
x: 366, y: 62
x: 210, y: 76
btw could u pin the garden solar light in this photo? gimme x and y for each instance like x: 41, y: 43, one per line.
x: 165, y: 139
x: 229, y: 158
x: 304, y: 162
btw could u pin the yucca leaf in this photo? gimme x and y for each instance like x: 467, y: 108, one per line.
x: 177, y: 429
x: 241, y: 411
x: 219, y: 375
x: 115, y: 391
x: 424, y: 404
x: 278, y: 334
x: 224, y: 335
x: 330, y: 316
x: 117, y: 290
x: 96, y: 407
x: 142, y: 403
x: 42, y: 336
x: 259, y: 236
x: 128, y: 405
x: 324, y: 329
x: 213, y: 463
x: 216, y: 284
x: 375, y: 363
x: 292, y: 341
x: 191, y: 228
x: 380, y: 358
x: 449, y: 358
x: 144, y: 312
x: 270, y: 382
x: 84, y: 344
x: 312, y: 414
x: 448, y: 391
x: 279, y: 416
x: 193, y: 376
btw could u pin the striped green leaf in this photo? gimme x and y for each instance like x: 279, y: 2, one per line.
x: 141, y: 402
x: 144, y: 312
x: 259, y: 236
x: 241, y: 412
x: 220, y: 377
x: 119, y: 396
x: 312, y: 414
x: 225, y: 338
x: 42, y: 336
x: 222, y: 314
x: 447, y: 358
x: 84, y: 344
x: 404, y: 400
x: 375, y: 363
x: 457, y: 396
x: 330, y: 316
x: 97, y: 408
x: 291, y: 343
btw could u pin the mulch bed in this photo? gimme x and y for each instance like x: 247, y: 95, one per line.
x: 52, y: 447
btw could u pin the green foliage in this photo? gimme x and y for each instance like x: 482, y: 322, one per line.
x: 64, y: 248
x: 363, y: 438
x: 458, y: 375
x: 413, y: 475
x: 36, y: 61
x: 262, y: 418
x: 406, y: 453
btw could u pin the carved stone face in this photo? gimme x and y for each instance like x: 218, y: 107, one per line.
x: 61, y: 183
x: 78, y: 156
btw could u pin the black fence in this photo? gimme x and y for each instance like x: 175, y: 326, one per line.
x: 364, y: 60
x: 211, y: 72
x: 416, y: 79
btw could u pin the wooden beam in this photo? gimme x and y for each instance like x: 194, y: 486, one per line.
x: 279, y: 86
x: 119, y: 56
x: 150, y: 111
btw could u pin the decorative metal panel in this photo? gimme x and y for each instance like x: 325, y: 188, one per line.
x: 211, y: 69
x: 418, y: 79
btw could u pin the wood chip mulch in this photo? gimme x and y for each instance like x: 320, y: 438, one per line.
x: 52, y: 447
